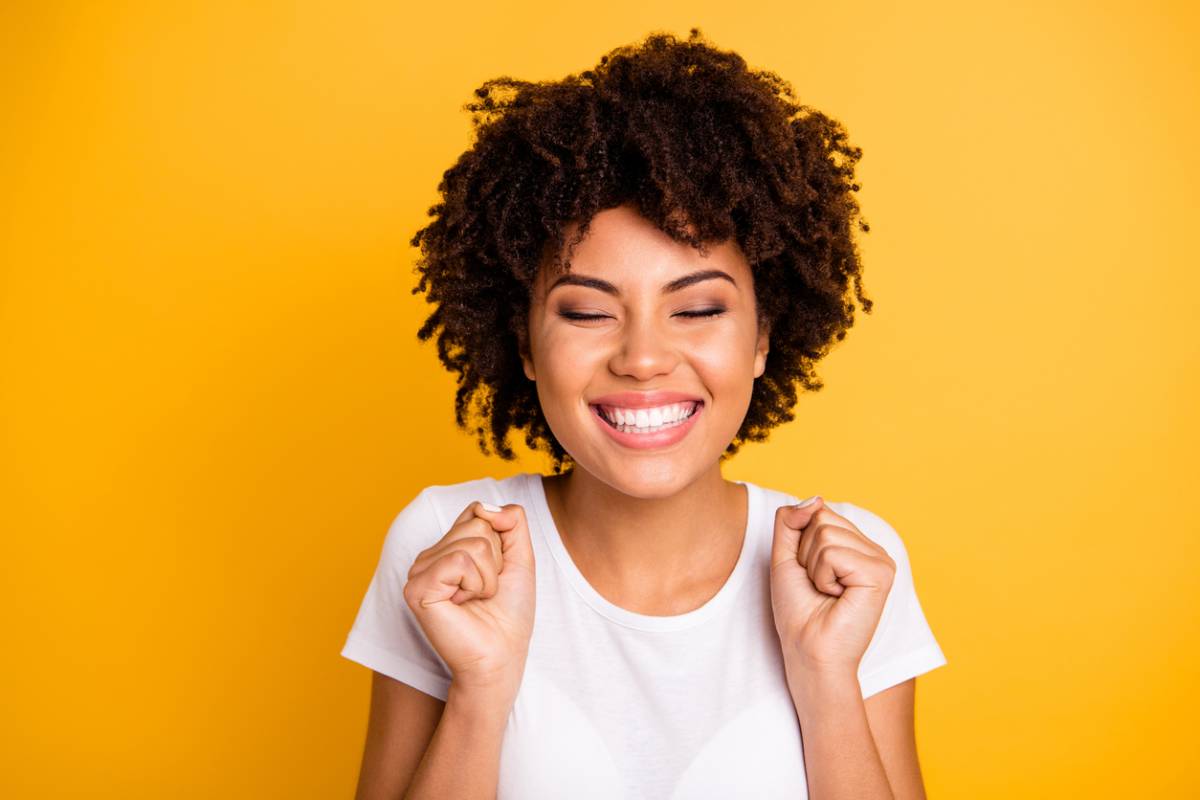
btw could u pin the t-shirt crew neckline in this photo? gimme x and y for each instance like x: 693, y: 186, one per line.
x: 544, y: 521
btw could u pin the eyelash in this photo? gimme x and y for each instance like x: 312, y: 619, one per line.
x: 707, y: 313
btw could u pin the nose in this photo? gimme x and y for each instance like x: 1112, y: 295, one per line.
x: 644, y: 351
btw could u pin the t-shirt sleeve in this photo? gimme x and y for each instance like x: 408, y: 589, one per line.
x: 903, y: 645
x: 386, y: 635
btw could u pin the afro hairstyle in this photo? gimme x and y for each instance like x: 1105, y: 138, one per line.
x: 706, y: 149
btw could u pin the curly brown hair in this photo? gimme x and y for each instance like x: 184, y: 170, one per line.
x: 706, y: 148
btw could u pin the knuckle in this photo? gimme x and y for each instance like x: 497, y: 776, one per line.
x: 480, y: 547
x: 470, y: 523
x: 410, y: 594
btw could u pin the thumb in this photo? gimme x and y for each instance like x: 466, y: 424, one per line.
x: 789, y: 522
x: 511, y: 524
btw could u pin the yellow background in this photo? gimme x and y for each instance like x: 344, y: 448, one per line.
x: 214, y: 403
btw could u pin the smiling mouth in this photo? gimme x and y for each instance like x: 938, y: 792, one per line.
x: 626, y: 423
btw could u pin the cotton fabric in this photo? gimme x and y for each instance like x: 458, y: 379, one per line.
x: 617, y: 704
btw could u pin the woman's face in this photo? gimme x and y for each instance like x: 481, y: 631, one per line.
x: 626, y: 322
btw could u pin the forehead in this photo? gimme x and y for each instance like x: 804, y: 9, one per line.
x: 623, y: 247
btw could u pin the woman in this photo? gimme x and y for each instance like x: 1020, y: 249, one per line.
x: 635, y: 266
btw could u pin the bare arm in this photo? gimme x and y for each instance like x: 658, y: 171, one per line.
x: 463, y: 759
x: 420, y: 747
x: 401, y: 723
x: 840, y: 756
x: 891, y: 714
x: 891, y: 717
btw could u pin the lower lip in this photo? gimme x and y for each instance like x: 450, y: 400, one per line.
x: 648, y: 441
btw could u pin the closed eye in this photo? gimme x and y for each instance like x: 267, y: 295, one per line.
x: 705, y: 313
x: 574, y: 316
x: 708, y: 312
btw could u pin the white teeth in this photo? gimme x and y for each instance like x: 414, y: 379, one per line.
x: 644, y: 420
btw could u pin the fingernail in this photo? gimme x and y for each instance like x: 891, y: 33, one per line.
x: 807, y: 502
x: 490, y: 507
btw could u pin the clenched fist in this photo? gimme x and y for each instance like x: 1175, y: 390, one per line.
x: 473, y: 594
x: 829, y: 583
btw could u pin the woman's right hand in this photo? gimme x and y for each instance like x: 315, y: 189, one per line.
x: 473, y: 594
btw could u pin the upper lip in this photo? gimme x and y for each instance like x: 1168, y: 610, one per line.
x: 644, y: 399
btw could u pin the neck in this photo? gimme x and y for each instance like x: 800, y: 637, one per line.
x: 649, y: 548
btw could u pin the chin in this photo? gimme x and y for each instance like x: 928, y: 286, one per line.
x: 649, y: 480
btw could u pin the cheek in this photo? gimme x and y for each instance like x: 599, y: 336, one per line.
x: 567, y: 360
x: 724, y: 360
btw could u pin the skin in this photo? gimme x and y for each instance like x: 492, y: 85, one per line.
x: 829, y: 582
x: 852, y: 748
x: 638, y: 341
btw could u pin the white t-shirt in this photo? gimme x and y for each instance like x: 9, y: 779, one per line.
x: 616, y: 704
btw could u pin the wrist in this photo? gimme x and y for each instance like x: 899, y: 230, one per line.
x: 487, y: 705
x: 496, y: 686
x: 819, y: 691
x: 823, y: 673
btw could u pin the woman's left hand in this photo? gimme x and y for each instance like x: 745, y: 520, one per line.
x: 829, y: 583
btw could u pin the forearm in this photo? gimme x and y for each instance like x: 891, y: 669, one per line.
x: 840, y: 756
x: 463, y: 757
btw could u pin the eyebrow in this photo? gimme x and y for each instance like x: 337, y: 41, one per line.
x: 674, y: 286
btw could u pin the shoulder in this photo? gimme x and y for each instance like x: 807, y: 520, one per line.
x: 449, y: 499
x: 429, y: 514
x: 872, y: 525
